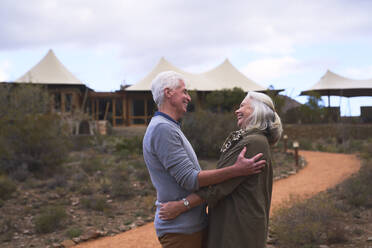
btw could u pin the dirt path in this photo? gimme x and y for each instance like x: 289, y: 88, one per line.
x: 323, y: 171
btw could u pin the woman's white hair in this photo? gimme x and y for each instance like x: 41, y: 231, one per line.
x: 166, y: 79
x: 263, y: 116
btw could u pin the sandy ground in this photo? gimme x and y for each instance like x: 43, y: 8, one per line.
x: 323, y: 171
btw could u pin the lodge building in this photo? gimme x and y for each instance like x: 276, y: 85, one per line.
x: 131, y: 105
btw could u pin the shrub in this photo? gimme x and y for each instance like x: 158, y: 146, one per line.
x: 149, y: 202
x: 57, y: 181
x: 37, y: 142
x: 50, y: 219
x: 336, y: 234
x: 305, y: 222
x: 207, y: 131
x: 120, y: 181
x: 129, y: 146
x: 86, y: 188
x: 95, y: 202
x: 357, y: 189
x: 225, y: 100
x: 92, y: 165
x: 7, y: 187
x: 30, y: 136
x: 140, y: 170
x: 20, y: 173
x: 73, y: 232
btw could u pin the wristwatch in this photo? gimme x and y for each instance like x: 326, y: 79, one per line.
x: 186, y: 203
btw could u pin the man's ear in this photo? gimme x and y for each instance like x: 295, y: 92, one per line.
x: 167, y: 92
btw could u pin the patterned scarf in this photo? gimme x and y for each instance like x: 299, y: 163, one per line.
x: 232, y: 139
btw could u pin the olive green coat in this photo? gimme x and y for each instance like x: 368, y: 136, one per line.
x: 238, y: 209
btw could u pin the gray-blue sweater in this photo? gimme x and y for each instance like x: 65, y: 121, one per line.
x: 174, y: 170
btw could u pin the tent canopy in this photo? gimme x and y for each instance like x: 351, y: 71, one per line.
x: 49, y: 71
x: 332, y: 84
x: 224, y: 76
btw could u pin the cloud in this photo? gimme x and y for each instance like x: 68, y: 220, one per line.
x: 271, y: 68
x: 165, y: 26
x: 4, y: 68
x: 361, y: 73
x: 194, y: 35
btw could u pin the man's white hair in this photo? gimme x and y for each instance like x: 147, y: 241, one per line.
x: 264, y: 116
x: 166, y: 79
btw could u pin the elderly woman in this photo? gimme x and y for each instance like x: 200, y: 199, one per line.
x: 238, y: 209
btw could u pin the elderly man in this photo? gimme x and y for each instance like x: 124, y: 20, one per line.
x: 173, y: 165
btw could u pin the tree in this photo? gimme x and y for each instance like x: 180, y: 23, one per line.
x: 31, y: 137
x: 225, y: 100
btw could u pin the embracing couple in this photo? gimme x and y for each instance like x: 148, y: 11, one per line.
x: 237, y: 192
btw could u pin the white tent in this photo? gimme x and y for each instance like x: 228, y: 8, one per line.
x: 224, y: 76
x: 49, y: 71
x: 332, y: 84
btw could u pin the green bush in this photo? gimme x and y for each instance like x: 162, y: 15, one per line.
x: 357, y: 189
x: 140, y: 171
x: 305, y: 222
x: 92, y: 165
x: 95, y: 202
x: 30, y: 136
x: 7, y: 187
x: 129, y: 146
x: 50, y: 219
x: 73, y: 232
x: 120, y: 182
x: 207, y: 131
x: 225, y: 100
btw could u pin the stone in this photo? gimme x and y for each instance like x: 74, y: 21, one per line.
x: 369, y: 239
x: 140, y: 223
x: 67, y: 243
x: 92, y: 234
x: 77, y: 240
x: 323, y: 236
x: 270, y: 240
x: 75, y: 201
x: 123, y: 228
x: 54, y: 196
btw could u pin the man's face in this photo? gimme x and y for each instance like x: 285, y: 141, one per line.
x: 180, y: 98
x: 243, y: 113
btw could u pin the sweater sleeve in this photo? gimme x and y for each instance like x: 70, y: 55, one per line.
x: 168, y: 146
x: 214, y: 193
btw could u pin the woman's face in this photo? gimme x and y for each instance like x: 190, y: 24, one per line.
x: 243, y: 113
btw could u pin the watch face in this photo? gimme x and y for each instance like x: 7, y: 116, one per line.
x: 186, y: 202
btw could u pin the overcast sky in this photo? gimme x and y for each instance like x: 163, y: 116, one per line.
x: 287, y: 44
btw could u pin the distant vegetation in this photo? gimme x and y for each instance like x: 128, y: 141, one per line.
x: 325, y: 218
x: 31, y: 138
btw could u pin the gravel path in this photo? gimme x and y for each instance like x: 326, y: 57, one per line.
x: 323, y: 171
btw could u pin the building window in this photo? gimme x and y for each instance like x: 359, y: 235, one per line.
x: 57, y: 101
x: 68, y: 102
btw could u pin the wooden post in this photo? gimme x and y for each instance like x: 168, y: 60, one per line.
x: 106, y: 110
x: 114, y: 112
x: 97, y: 109
x: 145, y: 110
x: 285, y: 141
x: 295, y: 147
